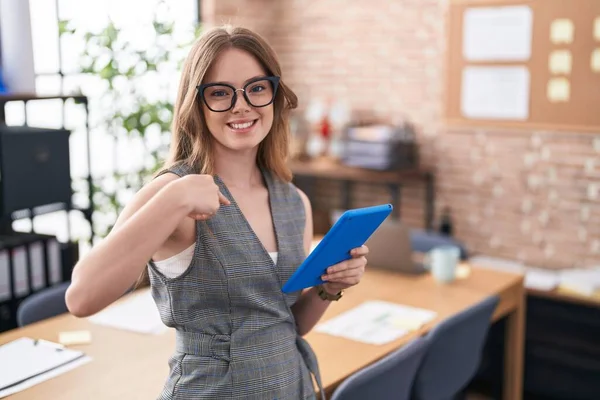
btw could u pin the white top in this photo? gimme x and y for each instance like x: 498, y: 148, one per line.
x: 176, y: 265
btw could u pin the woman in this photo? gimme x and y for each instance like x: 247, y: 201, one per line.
x: 223, y: 229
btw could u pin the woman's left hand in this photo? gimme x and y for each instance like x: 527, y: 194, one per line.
x: 347, y: 273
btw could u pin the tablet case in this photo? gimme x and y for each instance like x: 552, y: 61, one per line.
x: 351, y: 230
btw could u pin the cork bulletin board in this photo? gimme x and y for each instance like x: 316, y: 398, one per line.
x: 530, y: 64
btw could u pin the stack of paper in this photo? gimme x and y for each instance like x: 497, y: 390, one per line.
x: 376, y: 322
x: 137, y: 313
x: 541, y: 279
x: 26, y: 362
x: 583, y: 281
x: 499, y: 264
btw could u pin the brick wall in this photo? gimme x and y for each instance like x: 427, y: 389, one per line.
x: 532, y: 196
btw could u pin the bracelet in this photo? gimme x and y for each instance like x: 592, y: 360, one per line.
x: 325, y: 295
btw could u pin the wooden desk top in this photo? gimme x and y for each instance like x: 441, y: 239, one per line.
x: 339, y: 357
x: 133, y: 366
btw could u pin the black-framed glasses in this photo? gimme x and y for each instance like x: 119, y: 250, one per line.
x: 221, y: 97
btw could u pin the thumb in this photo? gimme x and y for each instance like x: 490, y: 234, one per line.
x: 222, y: 199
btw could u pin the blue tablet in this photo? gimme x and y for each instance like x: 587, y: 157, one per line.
x: 351, y: 230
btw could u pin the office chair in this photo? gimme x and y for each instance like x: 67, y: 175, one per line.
x: 454, y: 353
x: 389, y: 378
x: 46, y: 303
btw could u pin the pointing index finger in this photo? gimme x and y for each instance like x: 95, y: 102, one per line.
x: 223, y: 200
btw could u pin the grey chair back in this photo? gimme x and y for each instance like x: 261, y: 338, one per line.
x: 389, y: 378
x: 46, y: 303
x: 454, y: 352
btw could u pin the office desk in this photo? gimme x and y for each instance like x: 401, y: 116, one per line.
x: 133, y: 366
x: 566, y: 296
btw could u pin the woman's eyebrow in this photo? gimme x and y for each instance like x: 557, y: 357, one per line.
x: 245, y: 82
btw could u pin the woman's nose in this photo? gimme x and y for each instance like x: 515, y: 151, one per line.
x: 241, y: 105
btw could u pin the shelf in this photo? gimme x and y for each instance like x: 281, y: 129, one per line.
x: 80, y: 99
x: 331, y: 169
x: 327, y: 168
x: 5, y: 98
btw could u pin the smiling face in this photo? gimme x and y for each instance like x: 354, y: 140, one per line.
x: 244, y: 126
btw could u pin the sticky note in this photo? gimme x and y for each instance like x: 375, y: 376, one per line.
x: 562, y: 31
x: 463, y: 271
x: 408, y: 322
x: 595, y: 61
x: 597, y: 29
x: 558, y: 90
x: 74, y: 337
x: 560, y: 62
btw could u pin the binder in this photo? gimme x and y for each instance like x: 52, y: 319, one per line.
x: 30, y: 262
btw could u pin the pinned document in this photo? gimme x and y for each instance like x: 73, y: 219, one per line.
x: 497, y: 33
x: 495, y: 92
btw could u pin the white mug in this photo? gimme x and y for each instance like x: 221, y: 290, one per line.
x: 442, y: 262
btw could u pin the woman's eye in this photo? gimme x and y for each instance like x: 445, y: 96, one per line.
x: 257, y: 88
x: 219, y: 93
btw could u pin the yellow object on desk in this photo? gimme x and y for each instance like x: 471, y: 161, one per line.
x: 463, y: 271
x: 573, y: 292
x: 71, y: 338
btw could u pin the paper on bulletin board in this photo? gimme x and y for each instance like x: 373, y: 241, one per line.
x: 495, y: 93
x: 560, y: 62
x: 497, y: 33
x: 562, y: 31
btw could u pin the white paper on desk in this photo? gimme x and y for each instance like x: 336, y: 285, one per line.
x: 500, y: 93
x: 585, y: 281
x: 138, y: 313
x: 376, y: 322
x: 540, y: 279
x: 497, y: 33
x: 21, y: 359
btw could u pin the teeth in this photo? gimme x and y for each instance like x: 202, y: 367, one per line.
x: 242, y: 126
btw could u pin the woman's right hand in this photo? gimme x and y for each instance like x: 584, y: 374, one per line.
x: 201, y: 195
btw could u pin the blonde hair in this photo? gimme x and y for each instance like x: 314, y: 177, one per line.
x: 191, y: 141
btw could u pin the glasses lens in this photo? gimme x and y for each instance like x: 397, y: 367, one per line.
x: 260, y: 93
x: 218, y: 98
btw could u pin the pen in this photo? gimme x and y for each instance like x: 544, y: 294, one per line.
x: 56, y: 346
